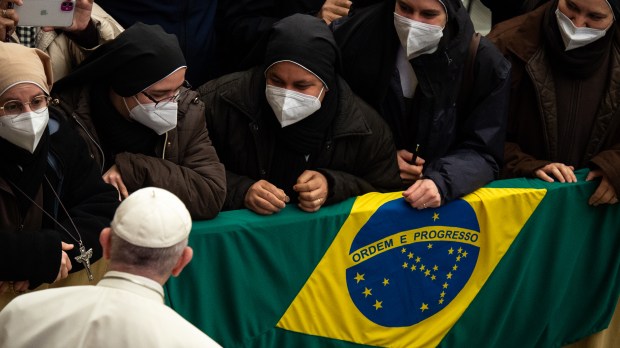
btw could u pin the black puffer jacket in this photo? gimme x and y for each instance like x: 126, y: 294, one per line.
x: 357, y: 157
x: 462, y: 144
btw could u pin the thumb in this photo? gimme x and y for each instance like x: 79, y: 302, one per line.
x: 67, y: 246
x: 593, y: 174
x: 305, y: 177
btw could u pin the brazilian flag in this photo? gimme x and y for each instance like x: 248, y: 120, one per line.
x: 519, y: 263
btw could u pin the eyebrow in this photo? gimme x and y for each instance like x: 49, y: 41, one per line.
x: 596, y: 13
x: 156, y: 91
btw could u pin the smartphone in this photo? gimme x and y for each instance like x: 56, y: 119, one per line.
x: 46, y: 13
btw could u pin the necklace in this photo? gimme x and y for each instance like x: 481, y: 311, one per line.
x: 85, y: 255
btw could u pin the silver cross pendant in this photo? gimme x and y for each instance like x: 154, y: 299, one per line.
x: 84, y: 259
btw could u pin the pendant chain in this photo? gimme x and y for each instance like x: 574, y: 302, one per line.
x: 50, y: 215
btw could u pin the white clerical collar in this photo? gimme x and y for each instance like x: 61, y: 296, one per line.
x: 135, y: 283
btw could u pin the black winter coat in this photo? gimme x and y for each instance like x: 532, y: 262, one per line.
x: 357, y: 157
x: 31, y: 242
x: 462, y: 144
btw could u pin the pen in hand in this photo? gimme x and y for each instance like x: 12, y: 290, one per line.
x: 415, y: 154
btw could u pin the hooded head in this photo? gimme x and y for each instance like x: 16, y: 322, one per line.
x: 139, y: 57
x: 426, y: 26
x: 24, y: 65
x: 308, y: 42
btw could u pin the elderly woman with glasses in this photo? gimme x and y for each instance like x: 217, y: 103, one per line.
x: 130, y: 102
x: 53, y: 202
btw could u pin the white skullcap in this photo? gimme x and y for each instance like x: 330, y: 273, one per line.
x: 152, y: 218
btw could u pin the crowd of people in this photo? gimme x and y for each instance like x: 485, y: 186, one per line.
x: 299, y: 102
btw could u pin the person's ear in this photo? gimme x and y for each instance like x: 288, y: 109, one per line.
x: 105, y: 238
x: 184, y: 259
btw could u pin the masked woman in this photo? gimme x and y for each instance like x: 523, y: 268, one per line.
x: 564, y: 112
x: 53, y: 202
x: 291, y: 130
x: 408, y: 59
x: 131, y: 104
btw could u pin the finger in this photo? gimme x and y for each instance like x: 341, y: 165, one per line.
x: 404, y: 155
x: 106, y: 178
x: 69, y: 266
x: 4, y: 287
x: 543, y: 176
x: 571, y: 174
x: 413, y: 188
x: 306, y: 187
x: 419, y: 161
x: 408, y: 178
x: 121, y: 188
x: 308, y: 206
x: 598, y: 195
x: 261, y: 206
x: 312, y: 196
x: 278, y: 193
x: 339, y: 11
x: 66, y: 246
x: 271, y: 199
x: 21, y: 286
x: 593, y: 174
x: 343, y: 3
x: 305, y: 177
x: 557, y: 174
x: 567, y: 173
x: 608, y: 196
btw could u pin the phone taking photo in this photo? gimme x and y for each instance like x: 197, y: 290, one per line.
x: 46, y: 13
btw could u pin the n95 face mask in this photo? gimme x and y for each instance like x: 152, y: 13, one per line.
x: 160, y: 119
x: 573, y: 36
x: 417, y: 38
x: 289, y: 106
x: 24, y: 130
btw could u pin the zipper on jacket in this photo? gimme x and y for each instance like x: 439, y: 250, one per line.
x: 92, y: 139
x: 163, y: 154
x: 447, y: 57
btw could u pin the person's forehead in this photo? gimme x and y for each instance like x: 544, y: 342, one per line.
x: 429, y: 4
x: 601, y: 6
x: 172, y: 81
x: 290, y: 70
x: 23, y: 88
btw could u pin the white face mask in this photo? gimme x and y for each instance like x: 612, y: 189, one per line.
x: 160, y: 119
x: 290, y: 106
x: 24, y: 130
x: 574, y: 37
x: 417, y: 38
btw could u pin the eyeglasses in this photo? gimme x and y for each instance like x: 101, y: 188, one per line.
x: 38, y: 104
x: 172, y: 99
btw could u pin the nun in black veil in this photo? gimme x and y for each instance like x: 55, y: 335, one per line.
x: 130, y: 102
x: 291, y: 130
